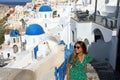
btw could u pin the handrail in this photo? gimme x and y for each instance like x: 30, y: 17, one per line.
x: 60, y: 72
x: 102, y: 20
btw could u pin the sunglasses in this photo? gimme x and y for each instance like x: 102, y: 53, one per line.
x: 76, y: 47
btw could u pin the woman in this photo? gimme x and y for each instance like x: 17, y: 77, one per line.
x: 78, y: 61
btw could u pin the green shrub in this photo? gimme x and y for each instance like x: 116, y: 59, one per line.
x: 2, y: 33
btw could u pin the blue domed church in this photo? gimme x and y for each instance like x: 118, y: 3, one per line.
x: 45, y: 11
x: 15, y: 40
x: 33, y: 34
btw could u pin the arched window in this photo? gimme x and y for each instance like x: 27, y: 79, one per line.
x: 45, y: 16
x: 15, y: 48
x: 104, y: 21
x: 18, y: 40
x: 89, y: 1
x: 14, y: 40
x: 45, y: 24
x: 98, y: 35
x: 73, y: 35
x: 86, y: 42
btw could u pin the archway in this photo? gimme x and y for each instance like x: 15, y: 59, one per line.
x: 98, y: 35
x: 73, y: 36
x: 86, y: 41
x: 15, y: 48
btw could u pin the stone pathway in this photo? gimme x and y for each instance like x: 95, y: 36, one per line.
x: 16, y: 74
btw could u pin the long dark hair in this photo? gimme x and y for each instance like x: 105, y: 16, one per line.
x: 84, y: 48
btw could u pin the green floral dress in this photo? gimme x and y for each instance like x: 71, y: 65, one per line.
x: 77, y: 71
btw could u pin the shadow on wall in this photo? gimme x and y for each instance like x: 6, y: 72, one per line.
x: 100, y: 50
x: 25, y: 75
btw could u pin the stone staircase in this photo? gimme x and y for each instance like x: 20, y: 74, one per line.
x: 91, y: 73
x: 105, y: 71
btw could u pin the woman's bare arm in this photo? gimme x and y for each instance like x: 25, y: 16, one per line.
x: 68, y: 70
x: 86, y: 69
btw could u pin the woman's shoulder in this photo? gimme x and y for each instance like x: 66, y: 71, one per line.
x: 88, y: 57
x: 87, y: 54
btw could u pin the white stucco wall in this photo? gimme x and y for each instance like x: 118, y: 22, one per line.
x: 7, y: 38
x: 65, y: 35
x: 31, y: 41
x: 73, y: 25
x: 107, y: 33
x: 85, y: 30
x: 45, y: 14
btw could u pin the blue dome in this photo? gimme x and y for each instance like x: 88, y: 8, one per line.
x: 34, y: 29
x: 45, y: 8
x: 14, y: 33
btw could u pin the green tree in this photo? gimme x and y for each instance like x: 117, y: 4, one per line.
x: 2, y: 28
x: 54, y: 13
x: 2, y: 32
x: 3, y: 21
